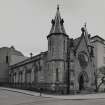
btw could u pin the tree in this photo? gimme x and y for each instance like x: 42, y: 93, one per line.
x: 100, y: 77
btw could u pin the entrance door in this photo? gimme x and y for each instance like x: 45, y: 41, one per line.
x: 81, y: 83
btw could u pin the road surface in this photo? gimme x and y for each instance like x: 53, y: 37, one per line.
x: 15, y: 98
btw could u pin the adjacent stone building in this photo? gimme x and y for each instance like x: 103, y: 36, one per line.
x: 99, y: 57
x: 6, y: 55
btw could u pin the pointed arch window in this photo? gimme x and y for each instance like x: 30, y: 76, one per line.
x: 7, y: 60
x: 50, y: 44
x: 57, y: 75
x: 64, y: 45
x: 52, y: 51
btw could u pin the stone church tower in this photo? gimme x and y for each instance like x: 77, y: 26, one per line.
x: 70, y: 61
x: 57, y: 51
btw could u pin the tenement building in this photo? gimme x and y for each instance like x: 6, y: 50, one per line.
x: 7, y: 56
x: 68, y: 66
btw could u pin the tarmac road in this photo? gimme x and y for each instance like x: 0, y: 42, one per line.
x: 8, y: 97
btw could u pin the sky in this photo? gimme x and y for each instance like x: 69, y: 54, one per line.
x: 25, y: 24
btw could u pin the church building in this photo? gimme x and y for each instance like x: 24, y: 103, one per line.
x: 67, y: 67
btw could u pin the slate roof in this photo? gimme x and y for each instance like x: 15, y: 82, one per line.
x: 57, y: 23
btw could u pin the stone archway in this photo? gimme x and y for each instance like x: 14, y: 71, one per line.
x: 82, y: 80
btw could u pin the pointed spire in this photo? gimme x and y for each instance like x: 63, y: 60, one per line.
x: 57, y: 23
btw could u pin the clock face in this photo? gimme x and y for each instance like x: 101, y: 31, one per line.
x: 83, y: 59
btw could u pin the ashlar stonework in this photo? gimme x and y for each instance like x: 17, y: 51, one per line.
x: 67, y: 66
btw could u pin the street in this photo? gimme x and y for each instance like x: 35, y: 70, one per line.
x: 15, y: 98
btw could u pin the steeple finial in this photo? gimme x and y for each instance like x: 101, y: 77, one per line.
x: 84, y: 29
x: 85, y: 24
x: 86, y: 33
x: 58, y: 7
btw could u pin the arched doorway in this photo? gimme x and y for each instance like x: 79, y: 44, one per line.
x: 81, y: 83
x: 82, y: 80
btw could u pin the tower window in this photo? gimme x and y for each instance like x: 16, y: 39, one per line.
x: 52, y: 51
x: 50, y: 45
x: 57, y: 75
x: 7, y: 60
x: 64, y: 45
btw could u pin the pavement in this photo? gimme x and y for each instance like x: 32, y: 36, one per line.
x: 65, y: 97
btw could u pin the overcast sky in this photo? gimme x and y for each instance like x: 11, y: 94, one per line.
x: 26, y: 23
